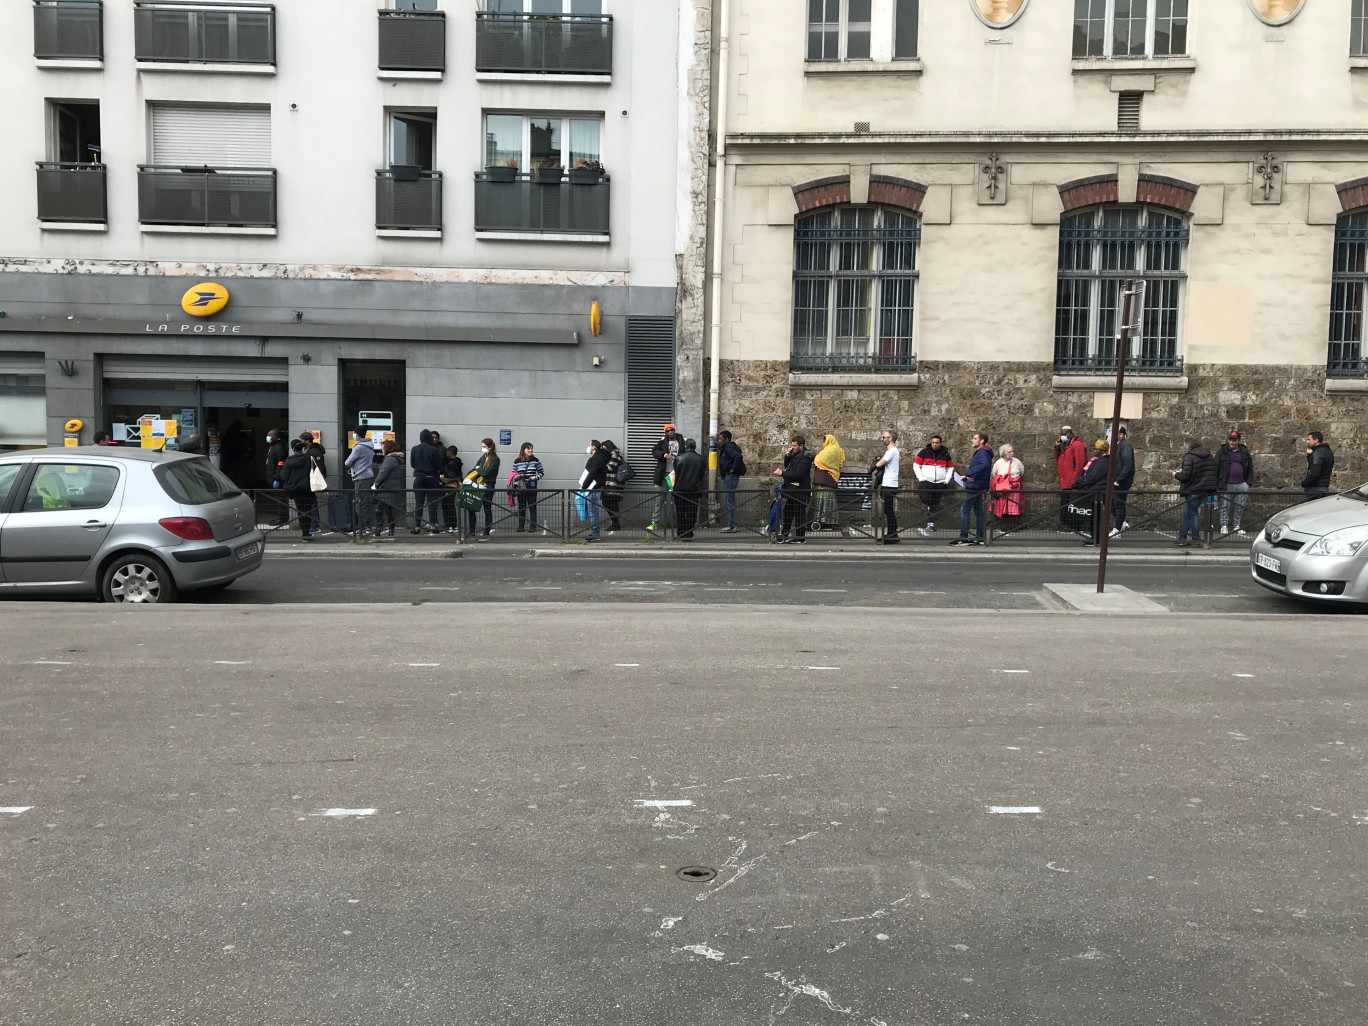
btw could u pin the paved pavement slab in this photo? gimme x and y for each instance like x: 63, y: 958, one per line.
x: 1116, y: 598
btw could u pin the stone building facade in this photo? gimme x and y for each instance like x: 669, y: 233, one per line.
x: 930, y: 210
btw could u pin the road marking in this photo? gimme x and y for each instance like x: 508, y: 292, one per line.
x: 541, y: 587
x: 1014, y: 810
x: 823, y: 667
x: 662, y: 803
x: 824, y: 591
x: 1242, y: 675
x: 627, y: 664
x: 229, y: 662
x: 922, y: 593
x: 1016, y: 671
x: 457, y: 588
x: 1190, y: 594
x: 49, y: 662
x: 343, y: 813
x: 721, y: 589
x: 424, y: 664
x: 14, y: 810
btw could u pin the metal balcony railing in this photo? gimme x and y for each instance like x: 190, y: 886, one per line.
x: 408, y: 199
x: 412, y: 41
x: 204, y: 33
x: 207, y: 197
x: 68, y: 30
x: 72, y: 193
x: 538, y: 44
x: 890, y: 362
x: 527, y: 205
x: 1150, y: 366
x: 1346, y: 367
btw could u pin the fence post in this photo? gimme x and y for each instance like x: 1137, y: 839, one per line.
x: 563, y: 527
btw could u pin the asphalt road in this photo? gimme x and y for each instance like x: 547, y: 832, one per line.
x: 946, y: 583
x: 1182, y: 841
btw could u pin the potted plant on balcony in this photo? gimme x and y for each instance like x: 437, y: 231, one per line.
x: 550, y: 173
x: 502, y: 172
x: 586, y: 172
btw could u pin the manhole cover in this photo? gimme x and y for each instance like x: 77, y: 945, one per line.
x: 696, y: 874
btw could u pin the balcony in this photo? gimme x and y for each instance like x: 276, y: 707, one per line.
x: 527, y: 206
x: 68, y: 30
x: 1141, y: 366
x: 531, y: 44
x: 408, y: 200
x: 239, y: 35
x: 71, y: 193
x: 896, y: 358
x: 413, y: 42
x: 206, y: 197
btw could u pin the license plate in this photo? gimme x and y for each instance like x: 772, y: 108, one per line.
x: 1268, y: 562
x: 248, y: 550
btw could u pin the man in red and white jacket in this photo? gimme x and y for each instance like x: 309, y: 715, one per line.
x: 935, y: 471
x: 1071, y: 455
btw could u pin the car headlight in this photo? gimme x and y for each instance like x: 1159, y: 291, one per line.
x: 1339, y: 543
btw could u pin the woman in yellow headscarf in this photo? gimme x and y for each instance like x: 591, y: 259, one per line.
x: 826, y: 472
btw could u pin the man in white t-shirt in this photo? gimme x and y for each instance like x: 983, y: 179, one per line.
x: 888, y: 485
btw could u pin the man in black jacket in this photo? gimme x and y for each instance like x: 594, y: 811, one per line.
x: 318, y: 457
x: 427, y: 462
x: 591, y: 482
x: 1125, y: 477
x: 691, y: 472
x: 277, y: 452
x: 797, y: 489
x: 1234, y: 475
x: 663, y: 453
x: 1320, y: 461
x: 731, y: 467
x: 1197, y: 476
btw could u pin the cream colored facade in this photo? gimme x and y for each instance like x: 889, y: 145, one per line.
x: 1262, y: 85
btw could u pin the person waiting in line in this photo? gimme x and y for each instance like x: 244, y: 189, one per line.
x: 1197, y: 479
x: 1008, y: 472
x: 612, y: 487
x: 731, y: 468
x: 663, y: 453
x: 194, y: 445
x: 1234, y: 473
x: 826, y: 475
x: 934, y: 469
x: 453, y: 471
x: 1070, y: 455
x: 977, y: 478
x: 276, y: 453
x: 319, y: 455
x: 360, y: 464
x: 1320, y: 464
x: 527, y: 471
x: 484, y: 475
x: 691, y: 472
x: 294, y: 482
x: 885, y: 476
x: 427, y: 461
x: 796, y: 474
x: 1124, y: 460
x: 591, y: 484
x: 388, y: 487
x: 1092, y: 487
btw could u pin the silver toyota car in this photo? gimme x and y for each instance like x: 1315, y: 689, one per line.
x: 1318, y: 550
x: 128, y: 525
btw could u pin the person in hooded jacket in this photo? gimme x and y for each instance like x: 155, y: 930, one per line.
x: 427, y: 461
x: 731, y: 467
x: 388, y: 485
x: 826, y: 477
x: 691, y: 472
x: 319, y: 456
x: 360, y: 463
x: 294, y: 482
x: 1197, y: 477
x: 453, y: 471
x: 796, y: 474
x: 1093, y: 483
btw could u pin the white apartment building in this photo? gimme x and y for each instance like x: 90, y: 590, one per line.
x: 928, y: 208
x: 414, y: 210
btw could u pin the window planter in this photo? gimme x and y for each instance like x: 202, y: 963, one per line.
x: 550, y: 175
x: 499, y: 173
x: 585, y: 176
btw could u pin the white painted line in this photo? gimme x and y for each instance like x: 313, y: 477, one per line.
x: 424, y: 664
x: 456, y: 588
x: 229, y: 662
x: 541, y: 587
x: 1242, y: 675
x: 49, y: 662
x: 343, y: 813
x: 14, y: 810
x: 824, y: 591
x: 922, y: 593
x: 627, y: 664
x: 665, y: 803
x: 1014, y: 810
x: 822, y: 667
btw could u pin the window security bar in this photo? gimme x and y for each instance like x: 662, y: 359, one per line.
x: 861, y: 362
x: 1102, y: 235
x: 1141, y: 364
x: 817, y: 233
x: 1351, y: 367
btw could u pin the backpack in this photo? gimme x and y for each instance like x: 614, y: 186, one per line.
x: 740, y: 465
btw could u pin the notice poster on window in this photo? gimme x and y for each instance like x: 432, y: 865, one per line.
x: 153, y: 432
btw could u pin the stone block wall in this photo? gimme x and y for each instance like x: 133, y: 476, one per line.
x: 1272, y: 407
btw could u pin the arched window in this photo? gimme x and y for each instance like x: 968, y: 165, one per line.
x: 854, y: 276
x: 1100, y: 249
x: 1347, y: 285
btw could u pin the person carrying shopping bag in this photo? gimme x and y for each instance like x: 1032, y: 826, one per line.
x: 484, y: 476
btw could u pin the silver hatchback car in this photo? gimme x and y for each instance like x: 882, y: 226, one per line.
x: 1318, y: 550
x: 127, y: 525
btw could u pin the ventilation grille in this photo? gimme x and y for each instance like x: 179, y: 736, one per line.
x: 862, y: 128
x: 650, y: 384
x: 1128, y: 111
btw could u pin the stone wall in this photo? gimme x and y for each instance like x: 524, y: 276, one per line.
x: 1272, y: 407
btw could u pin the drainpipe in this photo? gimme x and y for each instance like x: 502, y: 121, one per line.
x: 719, y: 203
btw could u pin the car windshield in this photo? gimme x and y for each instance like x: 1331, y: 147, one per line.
x: 195, y: 482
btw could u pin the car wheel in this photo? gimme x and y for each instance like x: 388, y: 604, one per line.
x: 138, y: 579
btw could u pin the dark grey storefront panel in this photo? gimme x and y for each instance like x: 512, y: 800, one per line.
x: 194, y: 368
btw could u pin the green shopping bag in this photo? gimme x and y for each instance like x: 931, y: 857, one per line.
x: 471, y: 498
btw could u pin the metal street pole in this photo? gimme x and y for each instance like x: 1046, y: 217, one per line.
x: 1134, y: 293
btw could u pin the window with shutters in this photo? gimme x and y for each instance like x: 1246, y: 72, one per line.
x: 854, y: 281
x: 1101, y: 249
x: 1130, y: 29
x: 210, y: 168
x: 1348, y: 284
x: 860, y: 30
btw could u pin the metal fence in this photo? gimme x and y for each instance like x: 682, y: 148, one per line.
x: 207, y: 197
x: 71, y: 192
x: 542, y: 44
x: 68, y: 30
x: 407, y: 199
x: 852, y: 515
x: 209, y: 33
x: 523, y: 203
x: 412, y: 41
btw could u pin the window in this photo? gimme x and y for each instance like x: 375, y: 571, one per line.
x: 854, y: 276
x: 73, y: 486
x: 9, y: 474
x: 415, y: 5
x: 532, y: 141
x: 1358, y: 29
x: 1130, y: 28
x: 181, y: 33
x: 1347, y: 284
x: 75, y: 132
x: 413, y: 138
x: 1099, y: 251
x: 195, y: 482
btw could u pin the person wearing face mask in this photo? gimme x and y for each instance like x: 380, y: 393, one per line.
x: 485, y: 474
x: 1071, y: 455
x: 591, y: 484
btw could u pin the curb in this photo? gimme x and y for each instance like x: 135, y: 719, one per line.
x: 902, y: 555
x: 301, y: 550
